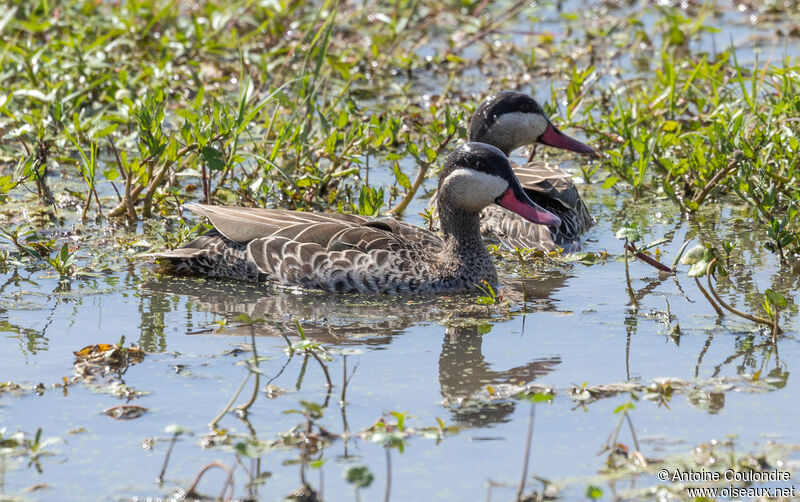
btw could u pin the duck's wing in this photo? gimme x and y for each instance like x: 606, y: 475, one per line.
x: 331, y: 231
x: 327, y: 251
x: 243, y: 224
x: 552, y: 188
x: 514, y: 231
x: 369, y: 256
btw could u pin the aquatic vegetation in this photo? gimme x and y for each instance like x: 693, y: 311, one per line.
x: 707, y: 128
x: 33, y: 448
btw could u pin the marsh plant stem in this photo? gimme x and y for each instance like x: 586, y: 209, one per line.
x: 423, y: 170
x: 708, y: 297
x: 628, y: 278
x: 190, y: 491
x: 166, y: 459
x: 249, y: 403
x: 526, y: 458
x: 756, y: 319
x: 226, y: 409
x: 388, y: 475
x: 714, y: 181
x: 650, y: 261
x: 324, y: 369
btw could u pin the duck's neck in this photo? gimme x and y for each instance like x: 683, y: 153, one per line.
x: 464, y: 256
x: 462, y: 230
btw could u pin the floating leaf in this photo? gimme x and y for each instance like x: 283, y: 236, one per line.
x: 359, y: 476
x: 698, y: 269
x: 593, y: 492
x: 247, y: 449
x: 537, y: 397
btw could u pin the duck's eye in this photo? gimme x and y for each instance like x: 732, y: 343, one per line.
x: 480, y: 165
x: 525, y: 107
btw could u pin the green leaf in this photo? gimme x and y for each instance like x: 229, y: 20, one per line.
x: 653, y: 244
x: 698, y: 269
x: 413, y: 149
x: 213, y: 158
x: 774, y: 298
x: 587, y: 258
x: 537, y: 397
x: 8, y: 16
x: 669, y: 126
x: 247, y: 449
x: 593, y: 492
x: 102, y: 133
x: 370, y: 201
x: 359, y: 476
x: 628, y: 232
x: 177, y: 430
x: 430, y: 153
x: 401, y: 178
x: 624, y: 407
x: 610, y: 181
x: 35, y: 94
x: 693, y: 255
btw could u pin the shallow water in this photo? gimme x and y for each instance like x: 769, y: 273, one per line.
x: 425, y: 356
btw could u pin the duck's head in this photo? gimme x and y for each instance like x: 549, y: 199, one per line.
x: 510, y: 119
x: 476, y: 175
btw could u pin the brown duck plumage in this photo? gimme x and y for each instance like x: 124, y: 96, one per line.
x: 350, y: 253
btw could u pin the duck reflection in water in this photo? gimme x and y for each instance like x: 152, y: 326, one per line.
x: 359, y: 320
x: 464, y: 372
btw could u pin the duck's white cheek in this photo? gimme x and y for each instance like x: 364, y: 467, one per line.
x: 473, y: 189
x: 518, y: 128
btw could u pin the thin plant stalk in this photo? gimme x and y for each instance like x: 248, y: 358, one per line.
x: 423, y: 170
x: 526, y: 458
x: 708, y: 297
x: 756, y: 319
x: 160, y: 477
x: 213, y: 423
x: 249, y: 403
x: 628, y: 278
x: 388, y: 475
